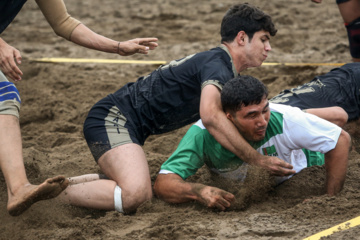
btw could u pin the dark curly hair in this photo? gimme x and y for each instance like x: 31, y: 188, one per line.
x: 247, y: 18
x: 241, y: 91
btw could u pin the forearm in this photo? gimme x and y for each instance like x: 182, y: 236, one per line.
x: 85, y: 37
x: 229, y: 137
x: 336, y: 162
x: 173, y: 189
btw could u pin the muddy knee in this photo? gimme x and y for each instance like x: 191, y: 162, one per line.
x: 128, y: 200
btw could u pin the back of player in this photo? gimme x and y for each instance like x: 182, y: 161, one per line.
x: 339, y: 87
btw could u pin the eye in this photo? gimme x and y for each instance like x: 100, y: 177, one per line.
x: 253, y: 116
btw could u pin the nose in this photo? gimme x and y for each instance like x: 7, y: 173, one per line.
x: 267, y: 46
x: 262, y: 121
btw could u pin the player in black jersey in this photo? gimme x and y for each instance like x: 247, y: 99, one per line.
x: 339, y: 87
x: 171, y: 97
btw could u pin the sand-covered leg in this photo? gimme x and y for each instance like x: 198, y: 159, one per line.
x: 31, y: 194
x: 86, y: 178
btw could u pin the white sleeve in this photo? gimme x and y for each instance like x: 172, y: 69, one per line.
x: 305, y: 130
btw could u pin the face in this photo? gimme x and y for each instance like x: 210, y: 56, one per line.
x: 257, y: 48
x: 252, y: 120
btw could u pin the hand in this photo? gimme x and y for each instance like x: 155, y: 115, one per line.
x: 8, y: 66
x: 316, y: 1
x: 214, y: 197
x: 276, y: 166
x: 137, y: 45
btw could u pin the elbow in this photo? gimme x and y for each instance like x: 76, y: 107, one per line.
x: 161, y: 189
x: 157, y: 188
x: 210, y: 120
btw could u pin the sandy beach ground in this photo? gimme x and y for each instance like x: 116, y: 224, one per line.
x: 56, y: 98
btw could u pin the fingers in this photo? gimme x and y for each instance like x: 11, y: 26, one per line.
x: 11, y: 70
x: 220, y: 199
x: 143, y: 49
x: 276, y: 166
x: 282, y: 171
x: 9, y: 67
x: 149, y: 42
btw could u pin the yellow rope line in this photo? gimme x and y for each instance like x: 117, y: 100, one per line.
x: 93, y: 60
x: 87, y: 60
x: 343, y: 226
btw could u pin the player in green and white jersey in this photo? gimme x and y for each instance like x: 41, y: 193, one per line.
x: 273, y: 129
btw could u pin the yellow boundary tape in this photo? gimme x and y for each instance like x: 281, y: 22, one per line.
x: 343, y: 226
x: 93, y: 60
x: 89, y: 60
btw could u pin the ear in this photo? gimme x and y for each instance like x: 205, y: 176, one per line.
x: 229, y: 116
x: 240, y: 38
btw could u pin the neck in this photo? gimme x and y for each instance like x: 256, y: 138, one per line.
x: 237, y: 58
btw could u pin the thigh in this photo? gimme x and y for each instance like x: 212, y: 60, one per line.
x: 127, y: 166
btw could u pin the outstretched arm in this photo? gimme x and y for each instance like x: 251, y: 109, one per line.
x: 83, y: 36
x: 69, y: 28
x: 215, y: 121
x: 173, y: 189
x: 336, y: 162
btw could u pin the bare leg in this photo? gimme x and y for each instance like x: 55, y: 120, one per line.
x: 336, y: 115
x: 97, y: 194
x: 350, y: 11
x: 128, y: 167
x: 86, y: 178
x: 21, y: 194
x: 125, y: 166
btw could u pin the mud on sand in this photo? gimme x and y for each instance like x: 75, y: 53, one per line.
x: 57, y: 97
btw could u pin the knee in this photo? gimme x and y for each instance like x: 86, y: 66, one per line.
x: 342, y: 116
x: 135, y: 196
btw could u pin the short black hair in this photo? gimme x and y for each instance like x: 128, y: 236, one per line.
x: 247, y: 18
x: 241, y: 91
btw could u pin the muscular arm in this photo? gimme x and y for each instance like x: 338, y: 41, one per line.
x: 336, y: 162
x: 173, y: 189
x: 215, y: 121
x: 71, y: 29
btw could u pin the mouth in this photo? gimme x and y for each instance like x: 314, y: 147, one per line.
x: 261, y: 132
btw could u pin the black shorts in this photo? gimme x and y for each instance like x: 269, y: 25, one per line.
x: 104, y: 128
x: 339, y: 87
x: 341, y: 1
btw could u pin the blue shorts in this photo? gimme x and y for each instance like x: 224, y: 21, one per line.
x: 9, y: 97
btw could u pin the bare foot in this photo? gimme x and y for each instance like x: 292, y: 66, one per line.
x: 30, y: 194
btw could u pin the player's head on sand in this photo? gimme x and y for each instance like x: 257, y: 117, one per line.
x: 244, y: 100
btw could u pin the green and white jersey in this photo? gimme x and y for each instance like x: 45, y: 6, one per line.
x: 290, y: 131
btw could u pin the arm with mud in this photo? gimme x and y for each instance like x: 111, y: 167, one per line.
x: 173, y: 189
